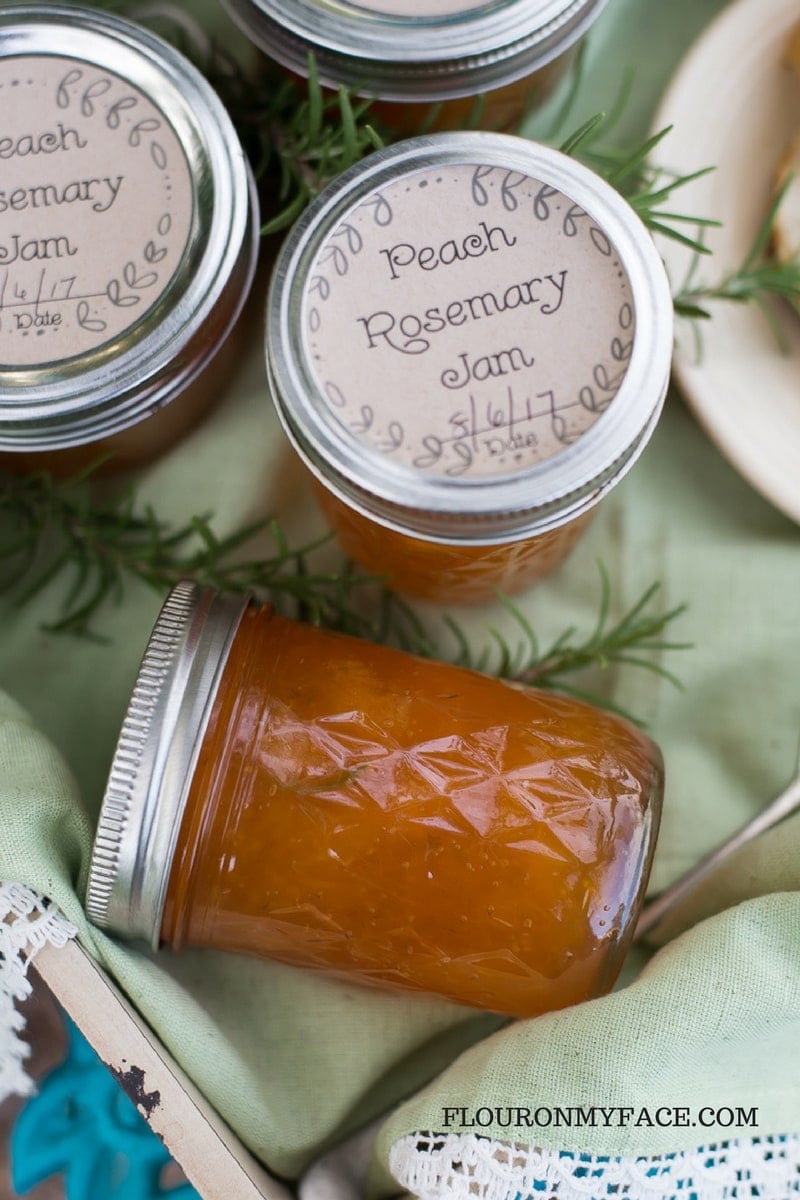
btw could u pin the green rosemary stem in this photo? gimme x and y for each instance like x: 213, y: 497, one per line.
x: 47, y: 529
x: 308, y: 140
x: 50, y: 530
x: 637, y: 638
x: 298, y: 137
x: 759, y: 277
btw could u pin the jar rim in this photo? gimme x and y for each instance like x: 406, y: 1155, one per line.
x: 418, y: 59
x: 484, y: 509
x: 151, y: 769
x: 112, y: 386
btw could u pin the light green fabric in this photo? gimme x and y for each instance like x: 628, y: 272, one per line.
x: 712, y: 1023
x: 292, y: 1060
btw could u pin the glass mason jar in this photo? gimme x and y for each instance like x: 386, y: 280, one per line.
x: 407, y: 55
x: 128, y: 240
x: 397, y: 822
x: 469, y: 339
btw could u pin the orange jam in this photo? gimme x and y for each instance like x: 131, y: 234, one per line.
x: 407, y: 824
x: 104, y: 348
x: 146, y: 440
x: 468, y: 344
x: 501, y: 108
x: 457, y: 572
x: 479, y: 63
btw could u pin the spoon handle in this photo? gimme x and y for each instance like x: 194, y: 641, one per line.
x: 654, y: 912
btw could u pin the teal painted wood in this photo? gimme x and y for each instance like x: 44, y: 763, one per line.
x: 83, y: 1123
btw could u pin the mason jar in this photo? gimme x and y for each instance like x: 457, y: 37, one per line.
x: 128, y: 240
x: 475, y: 60
x: 468, y: 343
x: 395, y: 822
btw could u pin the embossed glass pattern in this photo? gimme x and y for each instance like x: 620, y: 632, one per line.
x: 440, y: 571
x: 407, y: 824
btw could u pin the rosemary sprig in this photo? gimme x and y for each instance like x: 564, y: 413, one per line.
x: 629, y: 169
x: 636, y: 632
x: 47, y: 529
x: 645, y: 186
x: 637, y: 638
x: 308, y: 140
x: 299, y: 135
x: 759, y: 277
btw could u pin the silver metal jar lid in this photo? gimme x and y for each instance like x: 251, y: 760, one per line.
x: 422, y: 51
x: 128, y: 225
x: 152, y: 767
x: 400, y: 221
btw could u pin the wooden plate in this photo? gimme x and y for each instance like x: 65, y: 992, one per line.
x: 734, y: 104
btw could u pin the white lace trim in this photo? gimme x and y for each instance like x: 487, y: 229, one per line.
x: 469, y: 1167
x: 27, y: 922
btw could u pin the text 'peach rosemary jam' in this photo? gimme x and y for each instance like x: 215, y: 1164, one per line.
x: 471, y: 59
x: 397, y: 822
x: 128, y: 235
x: 468, y: 342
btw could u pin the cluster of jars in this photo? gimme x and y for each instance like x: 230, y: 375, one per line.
x: 468, y: 334
x: 467, y: 342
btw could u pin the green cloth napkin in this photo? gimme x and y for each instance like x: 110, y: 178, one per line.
x: 294, y: 1061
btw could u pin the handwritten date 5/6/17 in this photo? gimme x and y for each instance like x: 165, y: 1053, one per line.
x: 483, y: 430
x: 508, y: 433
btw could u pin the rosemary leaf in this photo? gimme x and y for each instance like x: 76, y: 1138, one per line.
x: 298, y: 137
x: 49, y: 530
x: 582, y: 136
x: 640, y: 628
x: 315, y: 102
x: 758, y: 279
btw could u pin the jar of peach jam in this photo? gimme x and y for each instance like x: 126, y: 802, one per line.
x: 396, y: 822
x: 407, y: 55
x: 468, y: 342
x: 128, y: 239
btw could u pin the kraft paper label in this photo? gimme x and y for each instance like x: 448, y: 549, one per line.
x: 95, y: 207
x: 468, y: 320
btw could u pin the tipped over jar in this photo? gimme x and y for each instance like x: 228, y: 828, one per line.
x: 393, y: 821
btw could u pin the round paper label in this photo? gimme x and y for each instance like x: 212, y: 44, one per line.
x: 468, y: 320
x: 96, y: 204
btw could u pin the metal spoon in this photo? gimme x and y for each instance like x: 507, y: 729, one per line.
x: 653, y: 913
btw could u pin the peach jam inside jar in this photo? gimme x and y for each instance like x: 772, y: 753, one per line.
x: 396, y: 822
x: 128, y: 238
x: 468, y: 342
x: 408, y: 55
